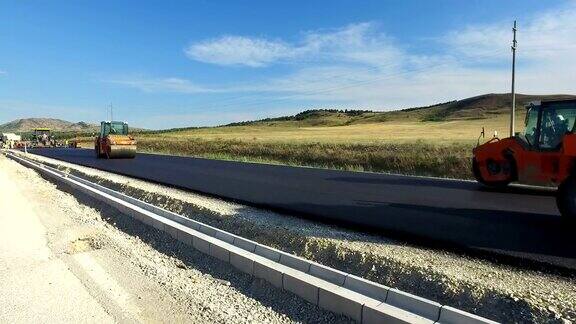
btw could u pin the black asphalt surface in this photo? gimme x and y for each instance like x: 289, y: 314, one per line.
x: 516, y: 220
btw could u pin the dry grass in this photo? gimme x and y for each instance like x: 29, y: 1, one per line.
x: 440, y: 149
x: 419, y: 158
x: 460, y: 131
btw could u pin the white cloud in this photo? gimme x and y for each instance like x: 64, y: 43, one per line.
x: 170, y: 84
x: 359, y: 66
x: 369, y: 88
x: 237, y: 50
x: 546, y: 49
x: 359, y: 43
x: 2, y: 72
x: 544, y: 36
x: 475, y: 61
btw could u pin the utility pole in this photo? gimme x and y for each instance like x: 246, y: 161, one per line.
x: 513, y: 110
x: 111, y: 112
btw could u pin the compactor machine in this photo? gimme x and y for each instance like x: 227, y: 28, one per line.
x: 544, y: 155
x: 114, y: 141
x: 42, y: 137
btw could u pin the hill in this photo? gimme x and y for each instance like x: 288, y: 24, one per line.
x: 479, y: 107
x: 436, y: 140
x: 58, y: 125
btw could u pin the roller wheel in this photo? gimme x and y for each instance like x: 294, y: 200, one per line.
x: 566, y: 200
x: 480, y: 179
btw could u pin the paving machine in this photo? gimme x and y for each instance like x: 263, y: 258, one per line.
x: 544, y: 155
x: 114, y: 141
x: 42, y: 137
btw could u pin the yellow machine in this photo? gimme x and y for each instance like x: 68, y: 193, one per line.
x: 114, y: 141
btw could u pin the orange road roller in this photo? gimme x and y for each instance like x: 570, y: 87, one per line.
x: 544, y: 155
x: 114, y: 141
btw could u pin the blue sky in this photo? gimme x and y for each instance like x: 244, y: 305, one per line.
x: 190, y: 63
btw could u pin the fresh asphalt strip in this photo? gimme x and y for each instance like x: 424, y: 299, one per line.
x: 514, y: 221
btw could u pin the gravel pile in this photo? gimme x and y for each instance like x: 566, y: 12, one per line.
x: 501, y: 292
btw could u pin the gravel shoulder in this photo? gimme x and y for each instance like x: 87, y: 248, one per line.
x: 130, y: 272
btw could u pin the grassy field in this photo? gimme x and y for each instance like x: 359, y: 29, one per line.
x: 432, y: 141
x: 447, y: 132
x: 440, y: 149
x: 407, y: 158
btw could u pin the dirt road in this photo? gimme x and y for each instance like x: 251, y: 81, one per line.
x: 63, y: 261
x: 37, y: 286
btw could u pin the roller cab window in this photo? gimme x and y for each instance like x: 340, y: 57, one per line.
x: 118, y: 128
x: 556, y: 122
x: 114, y: 128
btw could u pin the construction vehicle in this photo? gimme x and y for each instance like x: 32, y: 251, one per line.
x: 41, y: 137
x: 544, y: 155
x: 114, y: 141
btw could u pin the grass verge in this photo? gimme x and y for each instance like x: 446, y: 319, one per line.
x: 415, y: 158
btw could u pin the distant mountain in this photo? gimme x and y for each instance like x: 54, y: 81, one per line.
x: 59, y: 125
x: 478, y: 107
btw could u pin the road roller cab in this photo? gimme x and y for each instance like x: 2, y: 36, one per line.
x: 114, y: 141
x: 543, y: 155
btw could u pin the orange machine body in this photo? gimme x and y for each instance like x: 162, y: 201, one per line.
x: 510, y: 160
x: 537, y: 157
